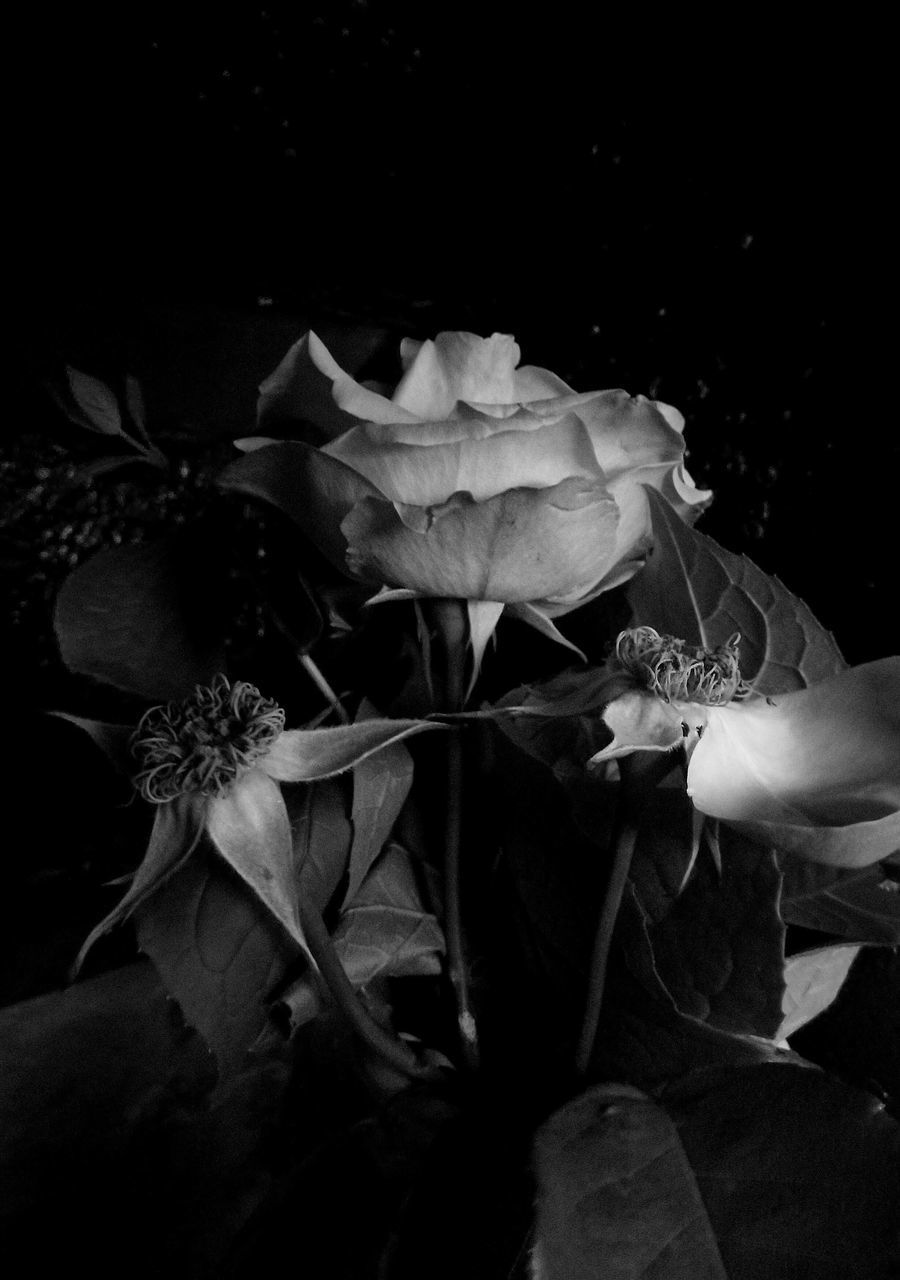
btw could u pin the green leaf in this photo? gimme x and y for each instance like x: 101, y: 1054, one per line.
x: 385, y: 932
x: 860, y: 905
x: 694, y: 589
x: 322, y: 832
x: 617, y: 1196
x: 386, y: 928
x: 719, y: 950
x: 812, y: 981
x: 311, y: 488
x: 91, y: 403
x: 78, y: 1066
x: 381, y: 784
x: 219, y: 952
x: 139, y: 618
x: 798, y: 1173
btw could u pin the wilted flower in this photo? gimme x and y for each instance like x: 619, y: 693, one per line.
x: 814, y: 772
x: 213, y: 763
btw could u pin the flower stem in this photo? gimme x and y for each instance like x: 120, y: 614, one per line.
x: 386, y: 1045
x: 450, y: 616
x: 624, y: 841
x: 318, y: 679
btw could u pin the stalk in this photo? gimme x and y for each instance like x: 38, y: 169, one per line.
x: 450, y: 616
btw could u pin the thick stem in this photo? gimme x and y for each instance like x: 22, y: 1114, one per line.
x: 383, y: 1043
x: 450, y: 616
x: 624, y: 841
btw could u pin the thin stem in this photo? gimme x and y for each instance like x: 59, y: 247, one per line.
x: 387, y: 1046
x: 318, y: 679
x: 624, y: 841
x: 450, y: 616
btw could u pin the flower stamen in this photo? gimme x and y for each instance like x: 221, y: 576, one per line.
x: 202, y: 744
x: 679, y: 672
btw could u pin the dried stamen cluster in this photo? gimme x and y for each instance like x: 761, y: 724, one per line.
x: 679, y: 672
x: 202, y: 744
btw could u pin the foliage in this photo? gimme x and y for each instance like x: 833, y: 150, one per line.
x: 441, y: 928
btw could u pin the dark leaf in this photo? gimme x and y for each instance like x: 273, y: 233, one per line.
x: 812, y: 980
x: 218, y: 951
x: 138, y: 617
x: 91, y: 403
x: 694, y: 589
x: 798, y: 1173
x: 860, y: 905
x: 719, y: 950
x: 385, y: 932
x: 617, y: 1196
x: 381, y: 784
x: 79, y: 1063
x: 322, y: 832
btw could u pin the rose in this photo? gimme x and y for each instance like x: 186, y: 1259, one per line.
x: 476, y: 479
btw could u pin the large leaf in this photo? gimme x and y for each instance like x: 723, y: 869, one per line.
x: 694, y: 589
x: 860, y: 905
x: 76, y: 1064
x: 643, y: 1037
x: 219, y: 952
x: 617, y: 1199
x: 322, y: 832
x: 386, y: 928
x: 384, y: 932
x: 719, y: 950
x: 381, y: 784
x: 812, y: 980
x: 798, y: 1173
x: 139, y: 618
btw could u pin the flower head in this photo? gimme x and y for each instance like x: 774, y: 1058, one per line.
x: 201, y: 745
x: 815, y: 772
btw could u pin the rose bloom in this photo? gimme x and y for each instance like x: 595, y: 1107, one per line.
x: 475, y: 479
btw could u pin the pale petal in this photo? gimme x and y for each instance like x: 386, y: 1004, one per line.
x: 519, y: 546
x: 858, y: 844
x: 826, y: 756
x: 483, y: 618
x: 177, y: 828
x: 457, y: 366
x: 251, y: 829
x: 507, y: 459
x: 639, y: 721
x: 535, y: 616
x: 309, y: 384
x: 629, y: 431
x: 533, y: 383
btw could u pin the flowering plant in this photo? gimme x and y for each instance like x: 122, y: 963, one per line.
x: 578, y: 899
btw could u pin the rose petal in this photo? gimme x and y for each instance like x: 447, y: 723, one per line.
x: 825, y: 756
x: 533, y: 383
x: 251, y: 829
x: 859, y: 844
x: 629, y: 431
x: 506, y: 459
x: 640, y: 722
x: 457, y: 366
x: 520, y: 545
x: 310, y: 384
x: 315, y: 490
